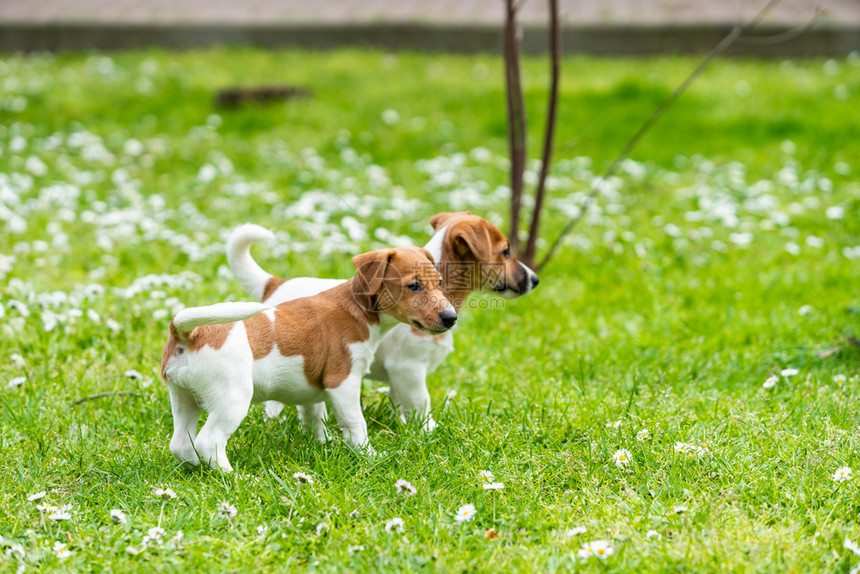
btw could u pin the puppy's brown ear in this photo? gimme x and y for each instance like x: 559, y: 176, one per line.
x: 439, y: 220
x: 427, y: 254
x: 471, y: 241
x: 370, y: 270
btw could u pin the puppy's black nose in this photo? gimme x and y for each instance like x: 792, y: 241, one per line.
x: 535, y: 281
x: 448, y: 318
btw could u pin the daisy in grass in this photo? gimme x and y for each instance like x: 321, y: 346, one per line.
x: 843, y: 473
x: 394, y: 525
x: 789, y: 372
x: 486, y: 476
x: 133, y: 375
x: 164, y: 493
x: 643, y: 434
x: 405, y: 486
x: 599, y: 548
x: 653, y: 535
x: 621, y: 457
x: 679, y: 509
x: 322, y: 527
x: 303, y: 478
x: 60, y: 551
x: 17, y: 382
x: 770, y: 382
x: 227, y: 510
x: 840, y: 379
x: 852, y: 546
x: 37, y: 496
x: 494, y: 486
x: 575, y: 531
x: 117, y: 516
x: 465, y: 513
x: 262, y: 530
x: 61, y: 513
x: 683, y: 447
x: 613, y: 424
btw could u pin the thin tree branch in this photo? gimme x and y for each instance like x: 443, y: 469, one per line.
x: 791, y: 34
x: 549, y: 133
x: 516, y: 119
x: 726, y: 42
x: 103, y: 395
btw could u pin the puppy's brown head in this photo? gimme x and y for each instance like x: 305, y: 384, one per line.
x: 404, y: 284
x: 476, y: 255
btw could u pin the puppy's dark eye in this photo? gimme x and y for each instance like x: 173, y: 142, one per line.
x: 440, y: 282
x: 506, y: 253
x: 414, y: 287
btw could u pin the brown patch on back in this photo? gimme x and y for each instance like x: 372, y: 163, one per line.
x: 261, y: 335
x: 271, y: 285
x: 209, y: 336
x: 321, y: 328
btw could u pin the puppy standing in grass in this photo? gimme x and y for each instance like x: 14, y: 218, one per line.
x: 471, y: 253
x: 304, y: 352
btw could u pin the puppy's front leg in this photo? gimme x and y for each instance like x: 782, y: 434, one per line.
x: 410, y: 395
x: 345, y: 400
x: 313, y: 419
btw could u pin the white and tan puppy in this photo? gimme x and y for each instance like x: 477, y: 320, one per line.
x: 223, y: 357
x: 470, y: 252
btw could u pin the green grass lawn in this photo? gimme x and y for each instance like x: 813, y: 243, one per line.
x: 727, y: 250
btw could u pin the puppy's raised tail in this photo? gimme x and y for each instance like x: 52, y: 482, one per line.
x: 189, y: 319
x: 251, y: 276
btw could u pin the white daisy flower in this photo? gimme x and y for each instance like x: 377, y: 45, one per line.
x: 133, y: 375
x: 486, y: 476
x: 653, y: 534
x: 322, y: 527
x: 131, y: 550
x: 852, y: 546
x: 643, y: 434
x: 790, y: 372
x: 613, y: 424
x: 770, y: 382
x: 117, y: 516
x: 61, y: 551
x: 465, y: 513
x: 17, y: 360
x: 262, y: 530
x: 575, y: 531
x: 855, y: 570
x: 46, y: 508
x: 405, y: 486
x: 15, y: 550
x: 303, y: 478
x: 599, y: 548
x: 682, y: 447
x: 679, y: 509
x: 227, y: 510
x: 355, y: 549
x: 37, y: 496
x: 394, y: 525
x: 621, y: 457
x: 383, y: 390
x: 164, y: 493
x: 61, y: 513
x: 840, y: 379
x: 494, y: 486
x: 17, y: 382
x: 843, y: 474
x: 155, y: 533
